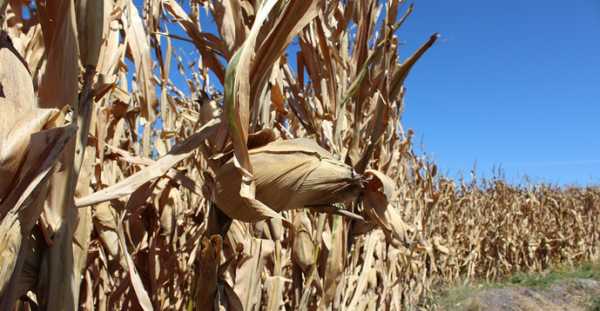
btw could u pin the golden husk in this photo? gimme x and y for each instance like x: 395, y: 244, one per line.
x: 303, y: 249
x: 289, y: 174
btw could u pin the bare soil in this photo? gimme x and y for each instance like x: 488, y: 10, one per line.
x: 570, y: 294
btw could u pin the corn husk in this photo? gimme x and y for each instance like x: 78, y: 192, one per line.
x: 289, y: 175
x: 303, y: 249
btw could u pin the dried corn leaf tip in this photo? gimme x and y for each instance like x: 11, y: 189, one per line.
x: 288, y: 174
x: 377, y: 198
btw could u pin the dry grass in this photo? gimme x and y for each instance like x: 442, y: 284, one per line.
x: 100, y: 209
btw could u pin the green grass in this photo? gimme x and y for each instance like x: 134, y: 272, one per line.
x: 542, y: 280
x: 454, y: 297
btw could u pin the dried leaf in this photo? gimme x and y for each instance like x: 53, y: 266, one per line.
x: 377, y: 199
x: 137, y: 40
x: 127, y: 186
x: 58, y: 86
x: 136, y: 281
x: 22, y: 207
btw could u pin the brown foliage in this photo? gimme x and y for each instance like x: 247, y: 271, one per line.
x: 296, y: 188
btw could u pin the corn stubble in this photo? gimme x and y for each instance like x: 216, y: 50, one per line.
x: 296, y: 188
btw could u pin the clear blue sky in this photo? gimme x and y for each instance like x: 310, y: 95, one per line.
x: 514, y: 84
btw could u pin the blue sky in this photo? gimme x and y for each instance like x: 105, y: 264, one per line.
x: 514, y: 84
x: 510, y: 84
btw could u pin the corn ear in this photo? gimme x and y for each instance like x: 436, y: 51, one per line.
x: 289, y: 174
x: 303, y: 249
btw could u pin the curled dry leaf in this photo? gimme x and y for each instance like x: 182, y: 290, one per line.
x: 19, y: 118
x: 252, y: 256
x: 136, y: 281
x: 140, y: 50
x: 379, y: 194
x: 157, y: 169
x: 22, y: 207
x: 16, y: 127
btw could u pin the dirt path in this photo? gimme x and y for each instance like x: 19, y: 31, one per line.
x: 570, y: 294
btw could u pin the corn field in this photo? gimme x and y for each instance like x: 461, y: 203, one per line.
x: 148, y: 163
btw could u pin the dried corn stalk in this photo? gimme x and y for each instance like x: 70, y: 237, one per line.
x: 147, y: 156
